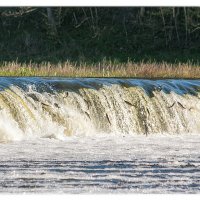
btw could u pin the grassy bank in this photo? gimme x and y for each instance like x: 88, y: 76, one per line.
x: 142, y: 42
x: 102, y: 69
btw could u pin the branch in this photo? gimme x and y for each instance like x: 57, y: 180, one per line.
x: 19, y: 13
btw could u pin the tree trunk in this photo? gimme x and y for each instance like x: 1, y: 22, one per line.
x: 164, y: 24
x: 175, y: 22
x: 186, y: 26
x: 142, y: 11
x: 51, y: 21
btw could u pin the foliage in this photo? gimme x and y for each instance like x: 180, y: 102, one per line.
x: 90, y: 34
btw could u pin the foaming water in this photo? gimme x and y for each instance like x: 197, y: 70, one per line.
x: 61, y: 107
x: 102, y: 164
x: 99, y: 135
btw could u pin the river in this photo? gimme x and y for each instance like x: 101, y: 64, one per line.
x: 90, y: 135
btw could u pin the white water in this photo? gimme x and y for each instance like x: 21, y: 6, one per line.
x: 99, y: 135
x: 58, y: 108
x: 104, y: 164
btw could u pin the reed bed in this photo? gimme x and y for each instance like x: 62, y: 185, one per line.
x: 102, y: 69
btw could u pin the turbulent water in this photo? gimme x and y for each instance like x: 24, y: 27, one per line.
x: 99, y: 135
x: 105, y: 164
x: 58, y: 108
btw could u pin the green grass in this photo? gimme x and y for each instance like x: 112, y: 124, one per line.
x: 102, y: 69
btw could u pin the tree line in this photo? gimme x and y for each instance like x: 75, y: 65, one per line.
x: 96, y: 32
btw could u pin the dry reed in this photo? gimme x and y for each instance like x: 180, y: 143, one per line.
x: 103, y: 69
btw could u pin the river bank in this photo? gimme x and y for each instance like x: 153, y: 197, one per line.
x: 103, y: 69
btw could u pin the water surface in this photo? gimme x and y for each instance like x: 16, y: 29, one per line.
x: 60, y: 135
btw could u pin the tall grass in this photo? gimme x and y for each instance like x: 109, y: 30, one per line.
x: 102, y: 69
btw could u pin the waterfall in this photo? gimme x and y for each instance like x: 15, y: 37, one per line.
x: 62, y: 107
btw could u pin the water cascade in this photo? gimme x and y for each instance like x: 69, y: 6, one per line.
x: 63, y: 107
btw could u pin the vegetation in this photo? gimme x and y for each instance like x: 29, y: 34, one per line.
x: 96, y: 41
x: 103, y: 69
